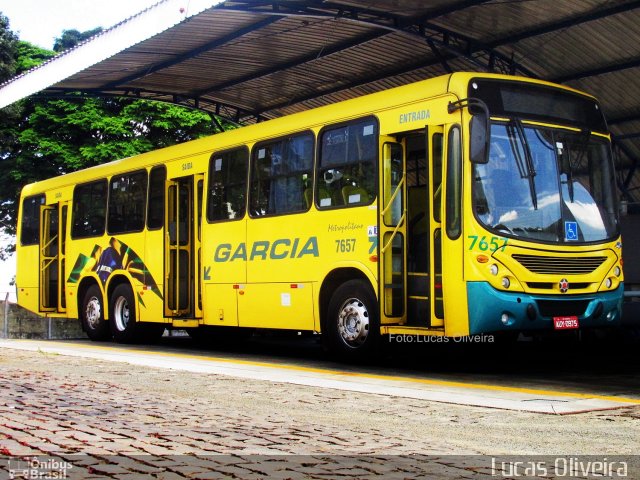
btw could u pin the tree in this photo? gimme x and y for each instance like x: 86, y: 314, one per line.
x: 43, y: 137
x: 71, y: 38
x: 8, y: 46
x: 8, y: 116
x: 29, y: 56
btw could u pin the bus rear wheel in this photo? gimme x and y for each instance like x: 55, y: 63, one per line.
x: 92, y: 315
x: 122, y: 315
x: 352, y: 327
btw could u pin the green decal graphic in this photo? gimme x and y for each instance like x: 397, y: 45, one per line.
x: 84, y: 264
x: 140, y: 299
x: 373, y: 244
x: 117, y: 256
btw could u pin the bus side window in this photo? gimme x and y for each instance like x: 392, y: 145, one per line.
x: 226, y: 199
x: 453, y: 200
x: 280, y: 175
x: 347, y: 165
x: 127, y: 202
x: 155, y: 204
x: 30, y: 231
x: 436, y: 155
x: 89, y: 208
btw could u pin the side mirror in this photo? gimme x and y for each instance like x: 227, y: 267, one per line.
x: 480, y: 138
x: 480, y: 128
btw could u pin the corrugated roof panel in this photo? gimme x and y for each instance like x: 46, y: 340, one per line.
x: 274, y: 58
x: 491, y: 21
x: 580, y: 48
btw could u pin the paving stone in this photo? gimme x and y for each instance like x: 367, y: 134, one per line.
x: 107, y: 429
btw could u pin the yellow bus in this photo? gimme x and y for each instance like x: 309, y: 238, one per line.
x: 456, y: 206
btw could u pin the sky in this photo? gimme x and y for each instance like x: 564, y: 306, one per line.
x: 40, y: 22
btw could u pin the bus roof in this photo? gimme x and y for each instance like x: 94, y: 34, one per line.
x: 314, y: 118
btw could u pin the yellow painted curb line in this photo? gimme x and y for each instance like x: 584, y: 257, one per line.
x: 424, y: 381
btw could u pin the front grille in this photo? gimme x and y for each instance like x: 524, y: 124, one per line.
x: 559, y: 265
x: 562, y: 308
x: 541, y: 285
x: 550, y: 286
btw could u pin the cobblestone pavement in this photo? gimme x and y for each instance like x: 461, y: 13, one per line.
x: 84, y: 418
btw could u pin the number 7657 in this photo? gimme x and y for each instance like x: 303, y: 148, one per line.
x: 493, y: 244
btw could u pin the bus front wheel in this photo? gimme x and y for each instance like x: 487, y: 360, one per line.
x: 352, y: 327
x: 92, y: 315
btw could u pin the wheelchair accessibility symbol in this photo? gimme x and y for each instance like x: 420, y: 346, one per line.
x: 570, y: 231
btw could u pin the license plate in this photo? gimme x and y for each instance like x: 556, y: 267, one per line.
x: 564, y: 323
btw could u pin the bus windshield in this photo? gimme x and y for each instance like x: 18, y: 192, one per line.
x: 546, y: 185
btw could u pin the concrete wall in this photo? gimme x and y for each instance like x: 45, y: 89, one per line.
x: 16, y: 322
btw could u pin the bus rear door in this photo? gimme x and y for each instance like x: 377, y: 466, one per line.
x: 53, y: 225
x: 182, y: 265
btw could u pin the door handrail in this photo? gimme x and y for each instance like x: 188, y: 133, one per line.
x: 395, y: 194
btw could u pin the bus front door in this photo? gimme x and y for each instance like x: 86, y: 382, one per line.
x: 53, y: 222
x: 424, y: 259
x: 183, y: 197
x: 435, y: 148
x: 392, y: 233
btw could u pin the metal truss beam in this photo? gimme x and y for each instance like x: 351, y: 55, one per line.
x: 291, y: 64
x: 458, y: 45
x: 307, y: 9
x: 616, y: 67
x: 446, y: 45
x: 437, y: 38
x: 625, y: 185
x: 618, y: 120
x: 484, y: 56
x: 568, y: 22
x: 122, y: 82
x: 229, y: 112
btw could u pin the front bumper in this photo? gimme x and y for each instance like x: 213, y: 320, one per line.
x: 492, y: 310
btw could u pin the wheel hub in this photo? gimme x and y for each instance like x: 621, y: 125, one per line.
x: 353, y: 322
x: 121, y: 314
x: 93, y: 313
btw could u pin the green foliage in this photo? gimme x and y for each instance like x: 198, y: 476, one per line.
x: 29, y: 56
x: 78, y: 133
x: 71, y: 38
x: 41, y: 138
x: 8, y: 45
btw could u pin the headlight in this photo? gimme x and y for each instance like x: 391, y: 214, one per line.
x: 506, y: 283
x: 493, y: 269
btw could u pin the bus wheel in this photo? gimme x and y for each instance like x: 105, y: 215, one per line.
x: 92, y: 315
x: 352, y: 324
x: 122, y: 316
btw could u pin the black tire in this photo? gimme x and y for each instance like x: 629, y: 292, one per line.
x: 122, y: 315
x: 92, y: 315
x: 352, y: 327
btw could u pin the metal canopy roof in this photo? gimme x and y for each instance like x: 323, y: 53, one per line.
x: 259, y: 59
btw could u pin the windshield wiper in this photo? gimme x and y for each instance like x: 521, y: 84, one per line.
x: 525, y: 165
